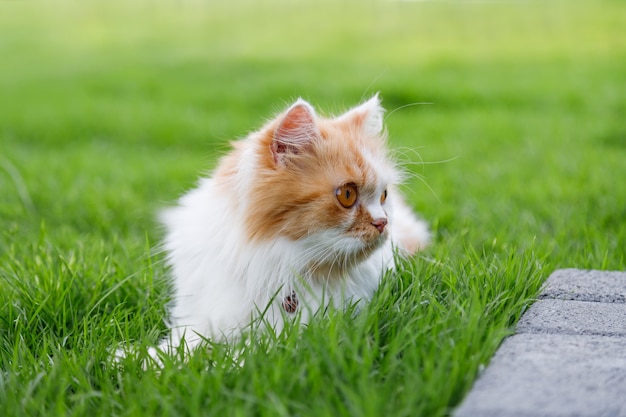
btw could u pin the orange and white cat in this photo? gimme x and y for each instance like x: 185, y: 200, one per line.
x: 301, y: 214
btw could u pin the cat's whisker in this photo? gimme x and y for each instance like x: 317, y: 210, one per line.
x: 332, y: 256
x: 405, y: 151
x: 372, y: 83
x: 422, y: 179
x: 319, y: 257
x: 406, y: 161
x: 409, y: 162
x: 404, y: 107
x: 443, y: 161
x: 413, y: 174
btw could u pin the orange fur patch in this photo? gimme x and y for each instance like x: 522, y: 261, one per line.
x: 297, y: 198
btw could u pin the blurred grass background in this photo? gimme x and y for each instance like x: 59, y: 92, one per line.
x: 527, y: 97
x: 108, y: 112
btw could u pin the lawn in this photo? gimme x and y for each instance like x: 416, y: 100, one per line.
x: 511, y: 115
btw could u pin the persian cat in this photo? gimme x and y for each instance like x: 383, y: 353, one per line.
x: 301, y: 214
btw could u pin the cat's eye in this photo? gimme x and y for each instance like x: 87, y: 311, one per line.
x: 346, y: 195
x: 383, y: 197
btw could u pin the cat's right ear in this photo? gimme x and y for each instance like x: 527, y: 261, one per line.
x: 367, y: 116
x: 295, y: 132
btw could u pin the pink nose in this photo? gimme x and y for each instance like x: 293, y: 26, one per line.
x: 380, y: 224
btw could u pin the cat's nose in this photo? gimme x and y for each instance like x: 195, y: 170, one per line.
x: 380, y: 224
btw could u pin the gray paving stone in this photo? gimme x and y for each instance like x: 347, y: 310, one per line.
x: 585, y: 285
x: 568, y: 358
x: 556, y: 375
x: 574, y: 317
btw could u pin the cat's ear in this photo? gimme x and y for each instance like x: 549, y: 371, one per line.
x: 295, y: 132
x: 367, y: 116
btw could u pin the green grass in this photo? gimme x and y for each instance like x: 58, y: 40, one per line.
x: 109, y: 112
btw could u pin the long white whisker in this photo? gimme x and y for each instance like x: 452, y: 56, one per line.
x: 404, y: 107
x: 423, y: 181
x: 443, y: 161
x: 372, y: 83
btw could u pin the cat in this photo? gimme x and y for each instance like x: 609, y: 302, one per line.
x: 301, y: 214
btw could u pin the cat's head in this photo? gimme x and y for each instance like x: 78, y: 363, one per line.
x: 323, y: 181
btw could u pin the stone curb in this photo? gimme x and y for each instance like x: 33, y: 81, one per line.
x: 585, y: 285
x: 574, y: 317
x: 568, y: 357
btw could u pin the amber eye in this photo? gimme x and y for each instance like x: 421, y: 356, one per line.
x: 383, y: 197
x: 346, y: 195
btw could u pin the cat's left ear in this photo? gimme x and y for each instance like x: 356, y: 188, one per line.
x: 368, y: 116
x: 295, y: 132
